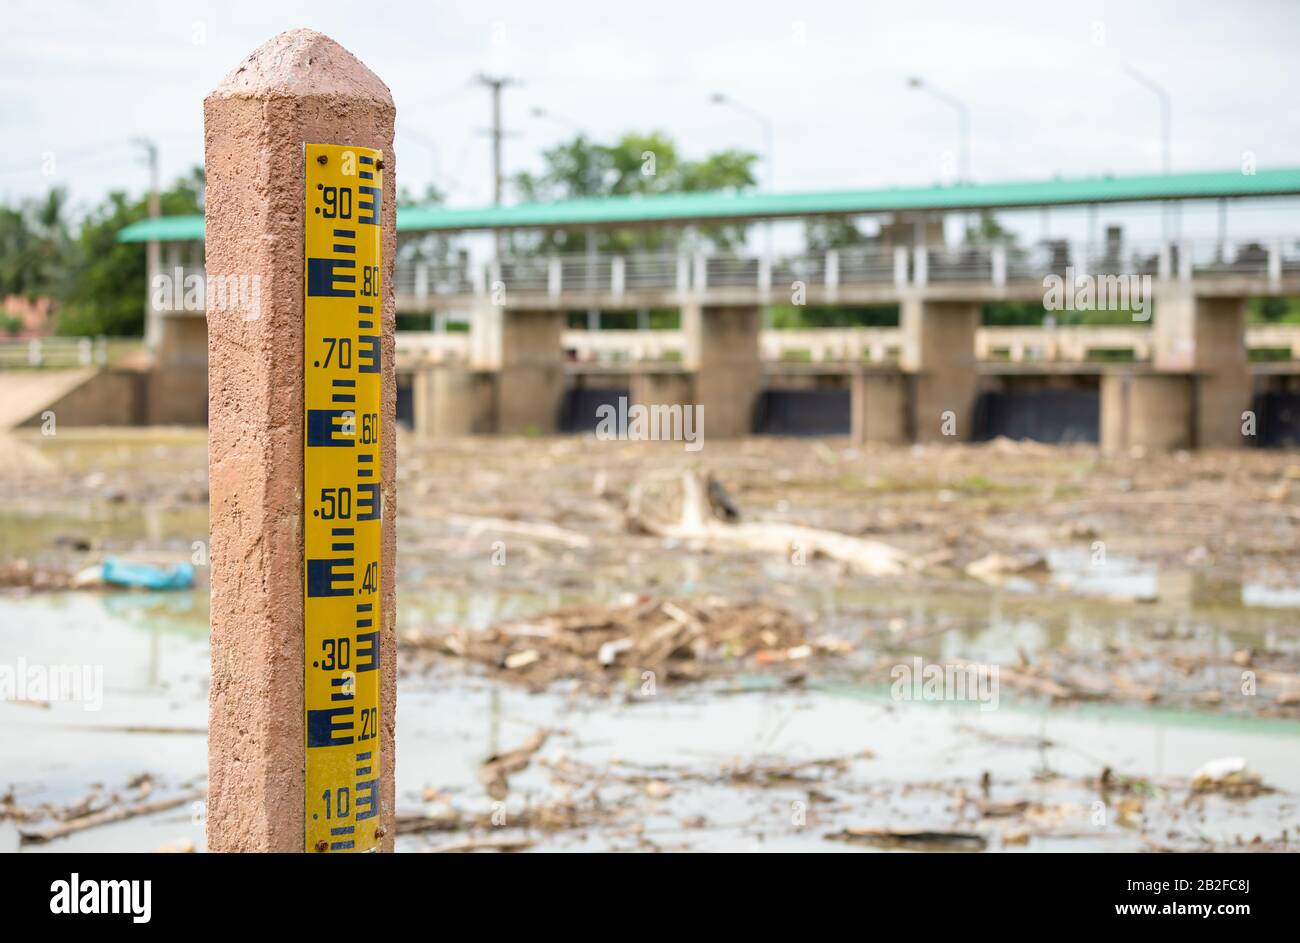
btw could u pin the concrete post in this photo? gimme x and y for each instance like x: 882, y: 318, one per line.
x: 921, y: 265
x: 832, y: 276
x: 722, y: 350
x: 999, y: 265
x: 900, y: 267
x: 554, y: 276
x: 299, y: 88
x: 939, y: 350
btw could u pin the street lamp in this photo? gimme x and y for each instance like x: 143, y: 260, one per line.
x: 1166, y: 157
x: 963, y: 117
x: 769, y: 145
x: 1165, y: 117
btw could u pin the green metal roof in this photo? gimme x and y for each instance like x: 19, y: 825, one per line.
x: 163, y: 229
x: 683, y: 208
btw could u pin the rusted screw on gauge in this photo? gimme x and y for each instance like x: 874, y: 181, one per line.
x: 322, y: 845
x: 381, y: 832
x: 322, y: 159
x: 379, y: 165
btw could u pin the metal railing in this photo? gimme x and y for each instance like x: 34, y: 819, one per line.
x: 989, y: 263
x: 52, y: 352
x: 646, y: 279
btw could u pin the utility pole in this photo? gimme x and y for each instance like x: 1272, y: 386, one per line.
x: 153, y: 250
x: 496, y: 83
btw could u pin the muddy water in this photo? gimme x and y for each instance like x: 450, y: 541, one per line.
x: 154, y: 652
x: 905, y: 764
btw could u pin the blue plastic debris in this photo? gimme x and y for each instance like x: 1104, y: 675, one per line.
x: 147, y: 575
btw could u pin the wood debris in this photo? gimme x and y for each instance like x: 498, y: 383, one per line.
x: 607, y: 647
x: 919, y: 839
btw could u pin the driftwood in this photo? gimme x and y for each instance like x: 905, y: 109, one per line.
x: 885, y: 837
x: 699, y: 522
x: 482, y: 844
x: 106, y: 817
x: 495, y: 769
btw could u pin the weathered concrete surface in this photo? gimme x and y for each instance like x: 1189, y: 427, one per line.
x: 297, y: 88
x: 1207, y: 337
x: 939, y: 350
x: 722, y: 350
x: 1151, y: 411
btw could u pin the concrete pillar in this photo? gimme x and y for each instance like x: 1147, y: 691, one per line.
x: 649, y: 387
x: 939, y: 351
x: 299, y: 88
x: 1151, y: 411
x: 1206, y: 337
x: 152, y: 314
x: 177, y: 383
x: 723, y: 352
x: 525, y: 350
x: 452, y: 400
x: 878, y: 407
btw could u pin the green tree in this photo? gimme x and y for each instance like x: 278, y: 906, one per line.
x: 33, y: 246
x: 636, y: 164
x: 104, y: 288
x: 827, y: 233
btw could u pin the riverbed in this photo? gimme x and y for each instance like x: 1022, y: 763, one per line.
x: 1146, y: 586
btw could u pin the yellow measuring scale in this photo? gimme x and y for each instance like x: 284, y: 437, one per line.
x: 342, y: 503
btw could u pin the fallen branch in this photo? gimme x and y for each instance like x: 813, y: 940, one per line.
x: 106, y: 817
x: 698, y: 522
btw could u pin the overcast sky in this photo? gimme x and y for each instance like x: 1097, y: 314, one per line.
x: 1044, y: 83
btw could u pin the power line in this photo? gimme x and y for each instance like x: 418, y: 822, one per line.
x: 70, y: 157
